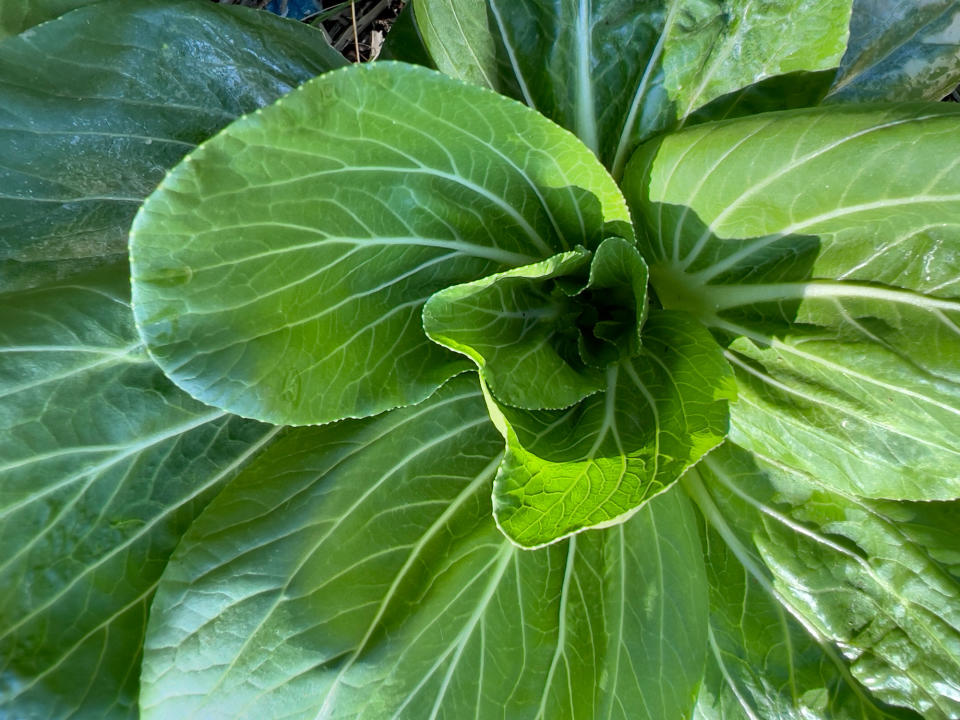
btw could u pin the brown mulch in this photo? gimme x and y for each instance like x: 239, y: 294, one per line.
x: 349, y: 26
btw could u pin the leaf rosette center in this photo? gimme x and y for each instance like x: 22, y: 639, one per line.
x: 542, y: 334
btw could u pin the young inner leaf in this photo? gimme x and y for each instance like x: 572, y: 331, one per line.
x: 542, y: 334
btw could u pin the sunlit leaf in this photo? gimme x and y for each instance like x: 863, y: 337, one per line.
x: 354, y: 571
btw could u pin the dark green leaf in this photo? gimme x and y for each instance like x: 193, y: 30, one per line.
x: 103, y: 465
x: 617, y: 71
x: 19, y: 15
x: 354, y: 571
x: 95, y: 107
x: 900, y: 50
x: 403, y: 42
x: 879, y: 579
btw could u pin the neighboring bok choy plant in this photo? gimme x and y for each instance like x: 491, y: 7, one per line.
x: 609, y: 368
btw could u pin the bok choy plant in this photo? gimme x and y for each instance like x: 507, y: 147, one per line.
x: 607, y: 368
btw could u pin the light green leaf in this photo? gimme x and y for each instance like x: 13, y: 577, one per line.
x: 900, y: 50
x: 595, y: 463
x: 95, y: 107
x: 470, y: 51
x: 879, y: 579
x: 280, y: 271
x: 616, y: 72
x: 542, y: 334
x: 19, y: 15
x: 718, y: 46
x: 840, y: 303
x: 354, y: 571
x: 103, y: 464
x: 515, y: 326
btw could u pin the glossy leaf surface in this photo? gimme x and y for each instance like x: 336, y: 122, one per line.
x: 714, y: 47
x: 280, y: 271
x: 19, y: 15
x: 900, y: 50
x: 354, y: 571
x: 103, y: 465
x: 594, y: 463
x: 103, y: 462
x: 95, y: 107
x: 616, y: 72
x: 878, y: 578
x: 761, y: 661
x: 839, y: 304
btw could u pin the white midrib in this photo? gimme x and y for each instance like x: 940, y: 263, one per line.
x: 724, y: 297
x: 626, y: 133
x: 809, y: 225
x: 558, y: 650
x: 917, y: 610
x: 586, y: 110
x: 454, y: 506
x: 701, y: 496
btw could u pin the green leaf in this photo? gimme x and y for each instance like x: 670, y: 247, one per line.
x: 457, y: 38
x: 761, y: 661
x: 403, y: 42
x: 900, y: 50
x: 19, y: 15
x: 514, y: 326
x: 840, y: 304
x: 96, y: 106
x: 280, y: 271
x: 717, y: 46
x: 595, y: 463
x: 616, y: 72
x: 879, y: 579
x: 542, y: 334
x: 103, y: 465
x: 353, y: 571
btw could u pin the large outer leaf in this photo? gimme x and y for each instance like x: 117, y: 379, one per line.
x: 900, y: 50
x: 354, y: 572
x: 19, y: 15
x: 824, y: 242
x: 880, y: 579
x: 96, y: 106
x: 617, y: 71
x: 103, y: 464
x: 279, y: 272
x: 761, y: 662
x: 718, y: 46
x: 593, y: 464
